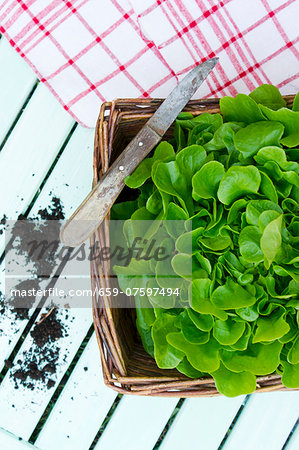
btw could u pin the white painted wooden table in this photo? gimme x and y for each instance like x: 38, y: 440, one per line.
x: 43, y: 153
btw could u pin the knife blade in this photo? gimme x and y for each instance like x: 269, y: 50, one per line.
x: 89, y: 215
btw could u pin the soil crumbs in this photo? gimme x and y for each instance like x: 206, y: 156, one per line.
x: 39, y: 363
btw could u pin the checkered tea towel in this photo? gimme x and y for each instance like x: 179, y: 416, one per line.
x: 89, y: 51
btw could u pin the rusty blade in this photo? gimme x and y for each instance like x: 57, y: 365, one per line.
x: 180, y: 96
x: 95, y: 207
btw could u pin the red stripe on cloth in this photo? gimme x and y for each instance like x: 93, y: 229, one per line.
x: 121, y: 68
x: 67, y: 58
x: 112, y: 55
x: 32, y: 29
x: 153, y: 47
x: 10, y: 8
x: 279, y: 27
x: 21, y: 6
x: 265, y: 78
x: 256, y: 66
x: 69, y: 14
x: 235, y: 53
x: 288, y: 80
x: 56, y: 95
x: 6, y: 11
x: 28, y: 42
x: 205, y: 44
x: 159, y: 83
x: 237, y: 36
x: 184, y: 35
x: 177, y: 32
x: 152, y: 7
x: 198, y: 20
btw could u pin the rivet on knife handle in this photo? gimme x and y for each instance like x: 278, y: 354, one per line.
x: 95, y: 207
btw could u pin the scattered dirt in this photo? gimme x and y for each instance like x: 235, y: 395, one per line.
x: 17, y: 302
x: 49, y: 330
x: 40, y: 362
x: 2, y: 224
x: 48, y: 229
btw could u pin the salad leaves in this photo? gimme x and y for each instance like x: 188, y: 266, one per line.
x: 231, y: 180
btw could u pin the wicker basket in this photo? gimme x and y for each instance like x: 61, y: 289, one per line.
x: 127, y: 368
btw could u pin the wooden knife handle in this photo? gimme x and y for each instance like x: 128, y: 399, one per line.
x: 89, y: 215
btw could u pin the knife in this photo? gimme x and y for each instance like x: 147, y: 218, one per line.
x: 92, y: 211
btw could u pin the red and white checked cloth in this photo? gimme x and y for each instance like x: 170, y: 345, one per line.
x: 89, y: 51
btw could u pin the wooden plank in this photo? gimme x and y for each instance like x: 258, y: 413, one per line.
x: 67, y: 169
x: 21, y: 409
x: 16, y: 80
x: 84, y: 396
x: 137, y: 423
x: 70, y: 181
x: 293, y: 443
x: 265, y: 422
x: 201, y: 423
x: 29, y: 152
x: 9, y: 441
x: 71, y: 178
